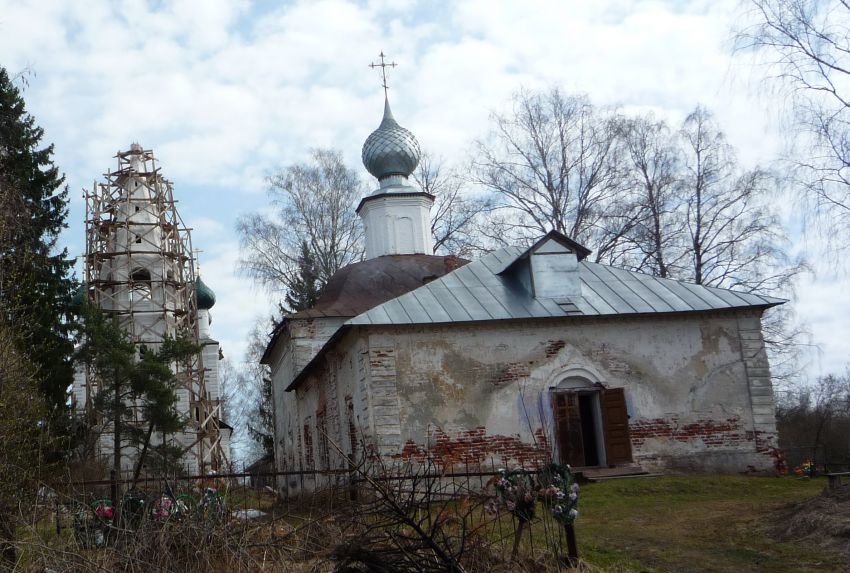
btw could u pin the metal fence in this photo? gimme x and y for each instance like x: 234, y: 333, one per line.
x: 463, y: 494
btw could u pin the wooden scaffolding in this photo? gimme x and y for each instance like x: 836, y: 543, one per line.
x: 140, y: 268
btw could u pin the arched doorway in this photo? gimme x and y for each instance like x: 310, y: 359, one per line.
x: 591, y: 423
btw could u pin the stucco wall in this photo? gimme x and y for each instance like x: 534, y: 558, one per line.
x: 697, y: 388
x: 296, y: 346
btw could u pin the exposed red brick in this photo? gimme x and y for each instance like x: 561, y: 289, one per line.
x: 511, y: 372
x: 476, y: 448
x: 554, y: 347
x: 712, y: 433
x: 765, y: 441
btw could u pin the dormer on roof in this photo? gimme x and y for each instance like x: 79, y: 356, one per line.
x: 550, y: 268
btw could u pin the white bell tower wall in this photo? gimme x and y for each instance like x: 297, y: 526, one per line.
x: 397, y: 224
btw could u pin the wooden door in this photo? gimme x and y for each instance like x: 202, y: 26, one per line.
x: 615, y: 421
x: 568, y: 429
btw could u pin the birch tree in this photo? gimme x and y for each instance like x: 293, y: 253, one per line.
x: 806, y: 46
x: 735, y: 237
x: 656, y: 244
x: 552, y: 163
x: 312, y: 202
x: 457, y: 214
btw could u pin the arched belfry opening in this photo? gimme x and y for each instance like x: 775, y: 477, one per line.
x: 140, y: 284
x: 591, y: 423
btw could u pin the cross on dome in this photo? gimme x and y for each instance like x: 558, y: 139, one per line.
x: 390, y: 151
x: 383, y: 65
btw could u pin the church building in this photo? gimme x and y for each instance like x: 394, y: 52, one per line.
x: 524, y: 355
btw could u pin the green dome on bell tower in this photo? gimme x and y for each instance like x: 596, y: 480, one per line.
x: 206, y: 297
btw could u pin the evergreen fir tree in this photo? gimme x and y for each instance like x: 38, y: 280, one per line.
x: 306, y: 285
x: 262, y: 428
x: 35, y: 287
x: 132, y: 377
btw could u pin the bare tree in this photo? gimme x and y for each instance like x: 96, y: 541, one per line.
x: 656, y: 243
x: 736, y: 239
x: 818, y: 417
x: 785, y: 339
x: 255, y: 380
x: 553, y: 164
x: 456, y: 214
x: 806, y: 44
x: 313, y: 202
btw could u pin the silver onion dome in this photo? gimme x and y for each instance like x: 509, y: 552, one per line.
x: 390, y: 149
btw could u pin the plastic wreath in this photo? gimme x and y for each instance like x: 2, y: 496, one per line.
x: 555, y: 486
x: 103, y: 509
x: 559, y: 492
x: 517, y: 491
x: 162, y: 508
x: 806, y: 469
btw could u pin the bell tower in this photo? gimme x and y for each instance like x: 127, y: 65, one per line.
x: 396, y: 217
x: 140, y: 269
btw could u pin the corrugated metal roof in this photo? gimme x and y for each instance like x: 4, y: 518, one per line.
x: 478, y: 292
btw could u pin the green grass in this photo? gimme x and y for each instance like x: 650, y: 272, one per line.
x: 690, y: 524
x: 665, y: 524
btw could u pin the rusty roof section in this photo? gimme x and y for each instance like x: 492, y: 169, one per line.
x: 356, y: 288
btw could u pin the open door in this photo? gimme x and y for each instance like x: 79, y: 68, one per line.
x: 568, y: 429
x: 615, y: 420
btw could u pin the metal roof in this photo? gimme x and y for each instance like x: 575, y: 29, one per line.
x: 477, y: 292
x: 489, y: 289
x: 358, y: 287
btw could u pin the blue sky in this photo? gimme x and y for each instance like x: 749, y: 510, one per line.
x: 227, y: 91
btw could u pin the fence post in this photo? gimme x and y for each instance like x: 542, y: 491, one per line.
x: 572, y: 546
x: 113, y: 492
x: 56, y: 512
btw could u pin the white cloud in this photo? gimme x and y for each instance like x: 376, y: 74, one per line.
x: 824, y: 308
x: 226, y: 91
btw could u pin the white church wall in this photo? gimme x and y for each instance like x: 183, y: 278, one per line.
x: 395, y: 224
x: 298, y: 344
x: 209, y: 355
x: 697, y: 388
x: 483, y: 391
